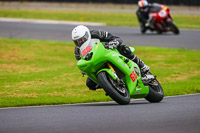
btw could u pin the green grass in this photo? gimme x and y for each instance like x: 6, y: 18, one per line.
x: 111, y: 19
x: 34, y: 72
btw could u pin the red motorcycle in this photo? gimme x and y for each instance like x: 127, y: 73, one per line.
x: 161, y: 20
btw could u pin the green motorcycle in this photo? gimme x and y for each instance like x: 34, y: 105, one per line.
x: 119, y: 77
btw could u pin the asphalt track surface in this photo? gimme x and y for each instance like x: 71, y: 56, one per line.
x: 172, y: 115
x: 189, y: 39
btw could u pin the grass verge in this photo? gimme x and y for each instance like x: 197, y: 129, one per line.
x: 111, y: 19
x: 34, y: 72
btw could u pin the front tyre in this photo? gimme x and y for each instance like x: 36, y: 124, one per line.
x: 119, y: 93
x: 143, y: 29
x: 156, y: 93
x: 174, y: 28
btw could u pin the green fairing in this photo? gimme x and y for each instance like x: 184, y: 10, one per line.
x: 98, y: 63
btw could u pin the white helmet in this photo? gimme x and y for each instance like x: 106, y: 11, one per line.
x: 80, y: 35
x: 143, y: 3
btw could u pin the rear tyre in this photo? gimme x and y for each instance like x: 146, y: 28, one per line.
x: 174, y: 28
x: 120, y: 95
x: 156, y: 93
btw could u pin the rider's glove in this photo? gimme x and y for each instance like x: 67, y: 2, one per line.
x: 113, y: 44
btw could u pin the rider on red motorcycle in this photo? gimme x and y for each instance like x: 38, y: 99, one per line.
x: 143, y: 14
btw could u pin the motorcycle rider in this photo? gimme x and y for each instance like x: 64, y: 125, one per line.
x: 81, y: 34
x: 143, y: 14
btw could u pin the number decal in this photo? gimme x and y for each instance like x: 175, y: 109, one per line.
x: 86, y: 50
x: 133, y: 76
x: 162, y: 13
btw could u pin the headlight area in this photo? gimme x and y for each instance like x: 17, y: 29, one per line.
x: 88, y: 56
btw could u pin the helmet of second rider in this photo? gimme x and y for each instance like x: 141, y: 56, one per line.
x: 80, y: 35
x: 144, y: 5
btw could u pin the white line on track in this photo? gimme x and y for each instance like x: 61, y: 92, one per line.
x: 90, y: 103
x: 49, y: 21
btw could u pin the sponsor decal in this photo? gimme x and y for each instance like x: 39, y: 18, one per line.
x: 97, y: 46
x: 137, y: 92
x: 115, y: 54
x: 119, y: 60
x: 76, y: 37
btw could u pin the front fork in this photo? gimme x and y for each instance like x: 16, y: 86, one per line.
x: 140, y: 90
x: 117, y: 78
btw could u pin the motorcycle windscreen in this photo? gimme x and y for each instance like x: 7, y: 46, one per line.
x: 87, y: 46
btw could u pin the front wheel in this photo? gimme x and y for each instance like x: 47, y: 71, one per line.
x: 118, y: 93
x: 156, y: 93
x: 174, y: 28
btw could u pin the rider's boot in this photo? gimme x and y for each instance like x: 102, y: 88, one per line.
x: 146, y: 75
x: 126, y: 51
x: 143, y: 67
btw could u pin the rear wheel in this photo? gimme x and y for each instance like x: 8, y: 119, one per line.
x: 174, y: 28
x: 118, y: 92
x: 156, y: 93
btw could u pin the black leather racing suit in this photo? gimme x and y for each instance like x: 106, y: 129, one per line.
x: 105, y: 36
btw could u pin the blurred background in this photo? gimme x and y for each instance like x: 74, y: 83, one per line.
x: 168, y: 2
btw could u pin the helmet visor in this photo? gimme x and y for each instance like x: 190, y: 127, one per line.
x: 79, y: 42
